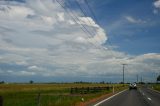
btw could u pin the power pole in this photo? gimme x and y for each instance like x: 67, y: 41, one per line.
x: 123, y: 72
x: 137, y: 78
x: 141, y: 79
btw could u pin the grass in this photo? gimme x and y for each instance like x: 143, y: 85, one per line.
x: 51, y: 94
x: 156, y: 87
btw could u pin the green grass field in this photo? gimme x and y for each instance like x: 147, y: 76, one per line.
x: 156, y: 87
x: 50, y: 94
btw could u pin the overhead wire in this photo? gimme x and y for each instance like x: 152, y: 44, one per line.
x: 90, y: 34
x: 83, y: 28
x: 75, y: 18
x: 91, y: 11
x: 86, y: 15
x: 96, y: 19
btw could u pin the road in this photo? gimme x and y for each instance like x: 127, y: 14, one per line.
x: 140, y: 97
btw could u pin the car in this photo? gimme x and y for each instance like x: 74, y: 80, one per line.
x: 132, y: 86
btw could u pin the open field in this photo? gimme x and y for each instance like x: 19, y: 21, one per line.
x: 156, y: 87
x: 50, y: 94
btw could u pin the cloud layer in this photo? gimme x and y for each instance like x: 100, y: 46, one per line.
x: 38, y: 38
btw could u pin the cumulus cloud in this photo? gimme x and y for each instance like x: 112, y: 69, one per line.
x: 157, y: 6
x: 157, y: 3
x: 38, y: 38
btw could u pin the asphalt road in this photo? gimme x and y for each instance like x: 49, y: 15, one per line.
x: 140, y: 97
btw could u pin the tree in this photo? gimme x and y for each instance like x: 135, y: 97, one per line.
x: 2, y: 82
x: 31, y: 82
x: 158, y: 78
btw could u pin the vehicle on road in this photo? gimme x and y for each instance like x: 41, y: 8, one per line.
x: 132, y: 86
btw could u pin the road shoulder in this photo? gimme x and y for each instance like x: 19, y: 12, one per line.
x: 94, y: 101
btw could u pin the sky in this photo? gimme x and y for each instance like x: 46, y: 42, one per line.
x: 77, y: 40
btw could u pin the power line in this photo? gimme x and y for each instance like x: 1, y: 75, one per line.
x: 85, y: 14
x: 75, y: 18
x: 96, y: 19
x: 90, y: 9
x: 88, y: 31
x: 84, y: 29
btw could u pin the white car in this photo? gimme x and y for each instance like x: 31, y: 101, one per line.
x: 132, y: 86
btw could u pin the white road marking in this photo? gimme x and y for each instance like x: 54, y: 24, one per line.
x: 141, y: 92
x: 149, y: 98
x: 108, y: 98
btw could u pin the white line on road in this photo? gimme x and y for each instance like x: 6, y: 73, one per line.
x: 149, y: 98
x: 108, y: 98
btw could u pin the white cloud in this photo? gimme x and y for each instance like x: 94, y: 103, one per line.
x: 39, y: 35
x: 133, y: 20
x: 130, y: 19
x: 157, y: 3
x: 21, y: 63
x: 26, y: 73
x: 87, y: 21
x: 14, y: 12
x: 10, y: 71
x: 19, y: 73
x: 155, y: 11
x: 157, y: 6
x: 33, y: 68
x: 61, y: 16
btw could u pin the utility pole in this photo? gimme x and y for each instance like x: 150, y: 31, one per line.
x: 137, y: 78
x: 123, y: 72
x: 141, y: 79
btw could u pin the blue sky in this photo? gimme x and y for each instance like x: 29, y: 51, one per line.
x: 133, y: 38
x: 41, y: 41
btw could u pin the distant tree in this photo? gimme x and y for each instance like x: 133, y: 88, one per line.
x: 102, y: 82
x: 158, y: 78
x: 2, y: 82
x: 31, y: 82
x: 121, y: 83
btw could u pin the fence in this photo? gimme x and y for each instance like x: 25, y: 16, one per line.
x: 85, y: 90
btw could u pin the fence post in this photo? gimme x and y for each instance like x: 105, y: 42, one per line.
x: 107, y: 88
x: 1, y: 101
x: 113, y: 89
x: 87, y: 89
x: 71, y: 90
x: 38, y: 99
x: 76, y: 89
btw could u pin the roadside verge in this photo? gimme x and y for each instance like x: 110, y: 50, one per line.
x: 101, y: 99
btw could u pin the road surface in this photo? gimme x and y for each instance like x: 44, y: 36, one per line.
x: 140, y: 97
